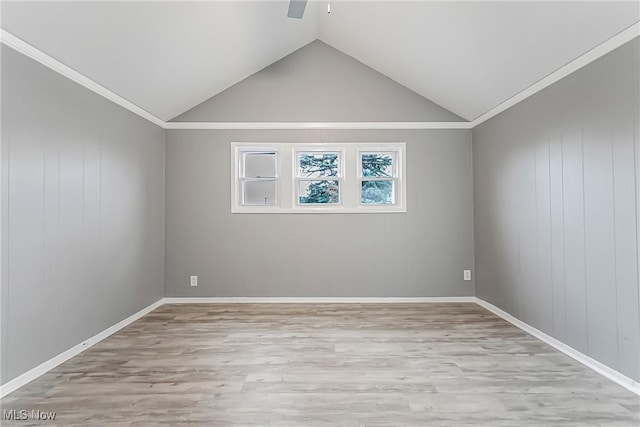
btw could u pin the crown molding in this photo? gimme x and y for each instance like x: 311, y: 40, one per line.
x: 316, y: 125
x: 597, y: 52
x: 32, y: 52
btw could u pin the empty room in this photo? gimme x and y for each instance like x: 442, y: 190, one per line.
x: 320, y: 213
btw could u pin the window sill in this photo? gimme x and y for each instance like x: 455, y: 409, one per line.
x: 319, y: 210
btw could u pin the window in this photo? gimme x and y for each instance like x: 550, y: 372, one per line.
x: 318, y: 177
x: 259, y: 178
x: 313, y: 178
x: 256, y: 184
x: 378, y: 177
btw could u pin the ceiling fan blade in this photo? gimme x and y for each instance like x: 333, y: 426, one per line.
x: 296, y: 8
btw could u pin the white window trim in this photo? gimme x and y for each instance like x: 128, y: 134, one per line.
x: 350, y: 180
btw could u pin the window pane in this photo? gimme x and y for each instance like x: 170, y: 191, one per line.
x: 377, y: 192
x: 259, y: 193
x: 377, y: 164
x: 319, y: 192
x: 316, y: 165
x: 260, y: 165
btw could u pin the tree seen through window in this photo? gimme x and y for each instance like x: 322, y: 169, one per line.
x: 377, y: 190
x: 318, y: 190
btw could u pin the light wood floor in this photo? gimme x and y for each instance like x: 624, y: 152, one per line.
x: 325, y: 365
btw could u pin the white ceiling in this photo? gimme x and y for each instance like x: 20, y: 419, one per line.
x: 471, y: 56
x: 163, y: 56
x: 167, y: 57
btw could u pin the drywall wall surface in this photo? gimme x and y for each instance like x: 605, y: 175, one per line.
x: 422, y: 252
x: 317, y: 83
x: 83, y: 213
x: 555, y: 208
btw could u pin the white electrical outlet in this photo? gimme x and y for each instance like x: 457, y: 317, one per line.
x: 194, y: 280
x: 467, y: 274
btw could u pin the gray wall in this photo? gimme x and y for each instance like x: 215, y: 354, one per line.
x: 555, y: 207
x: 83, y: 208
x: 420, y: 253
x: 317, y: 83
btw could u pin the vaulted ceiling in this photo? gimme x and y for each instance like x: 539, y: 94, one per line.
x: 167, y: 57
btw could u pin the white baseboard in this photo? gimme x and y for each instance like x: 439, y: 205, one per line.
x: 45, y: 367
x: 600, y: 368
x: 314, y: 300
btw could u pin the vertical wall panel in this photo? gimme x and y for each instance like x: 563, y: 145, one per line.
x: 26, y: 242
x: 544, y: 281
x: 557, y: 236
x: 506, y: 225
x: 599, y: 245
x: 628, y: 316
x: 4, y: 234
x: 574, y: 243
x: 624, y: 138
x: 599, y: 106
x: 91, y: 200
x: 51, y: 279
x: 70, y: 222
x: 585, y: 230
x: 527, y: 234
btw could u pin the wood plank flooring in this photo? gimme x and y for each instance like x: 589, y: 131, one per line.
x: 324, y: 365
